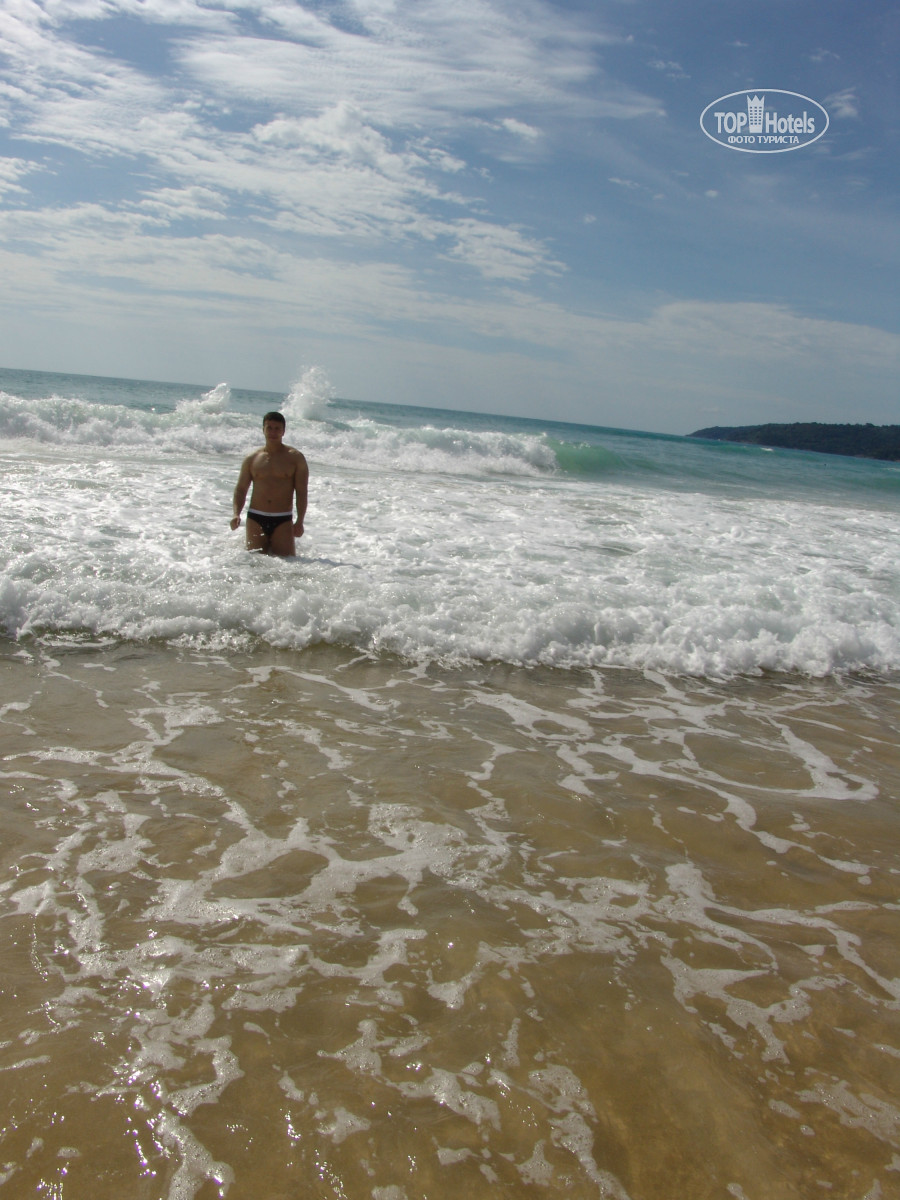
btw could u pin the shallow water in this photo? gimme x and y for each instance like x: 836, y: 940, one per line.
x: 310, y: 923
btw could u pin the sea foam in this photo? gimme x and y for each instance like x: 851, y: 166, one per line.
x: 436, y: 540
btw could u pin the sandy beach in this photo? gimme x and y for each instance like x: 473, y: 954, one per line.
x: 326, y: 924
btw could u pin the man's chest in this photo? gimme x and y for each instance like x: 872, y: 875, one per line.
x: 272, y: 467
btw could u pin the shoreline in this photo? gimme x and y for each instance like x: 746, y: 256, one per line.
x: 344, y: 655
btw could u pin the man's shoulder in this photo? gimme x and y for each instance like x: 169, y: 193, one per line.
x: 295, y: 453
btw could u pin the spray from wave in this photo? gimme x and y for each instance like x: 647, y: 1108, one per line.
x: 310, y: 396
x: 216, y: 400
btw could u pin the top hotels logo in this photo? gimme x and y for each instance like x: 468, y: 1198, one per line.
x: 764, y: 121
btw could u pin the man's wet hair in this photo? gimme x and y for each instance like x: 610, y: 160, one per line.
x: 275, y: 416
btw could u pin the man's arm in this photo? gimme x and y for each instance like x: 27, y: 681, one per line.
x: 301, y: 487
x: 240, y: 492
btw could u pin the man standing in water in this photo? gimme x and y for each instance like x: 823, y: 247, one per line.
x: 276, y: 472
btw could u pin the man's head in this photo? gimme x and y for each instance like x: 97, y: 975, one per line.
x: 276, y: 417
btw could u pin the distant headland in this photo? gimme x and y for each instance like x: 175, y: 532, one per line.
x: 857, y: 441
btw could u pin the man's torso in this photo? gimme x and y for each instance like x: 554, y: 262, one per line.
x: 273, y: 478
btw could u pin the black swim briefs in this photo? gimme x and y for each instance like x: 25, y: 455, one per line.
x: 269, y: 522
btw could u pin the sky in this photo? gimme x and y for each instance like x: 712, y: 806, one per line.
x: 502, y: 206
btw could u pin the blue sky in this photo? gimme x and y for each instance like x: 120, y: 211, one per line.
x: 499, y: 205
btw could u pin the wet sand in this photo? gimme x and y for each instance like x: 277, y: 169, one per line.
x: 310, y: 924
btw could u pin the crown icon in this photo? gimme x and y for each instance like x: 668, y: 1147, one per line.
x: 755, y: 106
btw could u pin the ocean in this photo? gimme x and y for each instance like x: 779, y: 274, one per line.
x: 532, y: 833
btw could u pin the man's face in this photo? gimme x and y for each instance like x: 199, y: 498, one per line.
x: 273, y: 431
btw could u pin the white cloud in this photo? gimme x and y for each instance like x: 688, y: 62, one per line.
x: 769, y: 332
x: 161, y: 12
x: 843, y: 104
x: 499, y: 252
x: 520, y: 129
x: 181, y: 204
x: 355, y: 150
x: 672, y: 70
x: 11, y: 171
x: 98, y: 251
x: 340, y: 133
x: 821, y: 55
x: 428, y: 65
